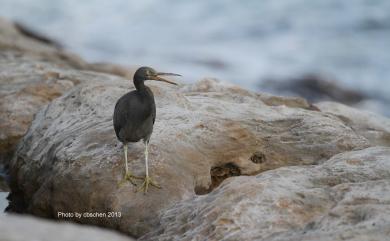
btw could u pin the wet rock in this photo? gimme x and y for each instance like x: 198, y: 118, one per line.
x: 21, y: 228
x: 213, y: 63
x: 26, y: 42
x: 315, y: 88
x: 13, y: 39
x: 26, y: 31
x: 345, y: 198
x: 4, y: 179
x: 70, y: 159
x: 3, y: 185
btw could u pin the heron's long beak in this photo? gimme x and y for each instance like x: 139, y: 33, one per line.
x: 158, y: 78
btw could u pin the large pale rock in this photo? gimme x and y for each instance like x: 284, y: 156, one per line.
x: 345, y: 198
x: 374, y: 127
x: 27, y: 84
x: 32, y: 73
x: 21, y: 228
x: 70, y: 159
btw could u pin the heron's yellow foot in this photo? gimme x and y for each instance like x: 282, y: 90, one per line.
x: 145, y: 185
x: 129, y: 177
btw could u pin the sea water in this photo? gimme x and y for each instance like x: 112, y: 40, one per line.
x: 3, y: 202
x: 243, y: 42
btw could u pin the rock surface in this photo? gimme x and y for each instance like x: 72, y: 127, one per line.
x: 13, y: 39
x: 372, y: 126
x: 21, y: 228
x: 316, y: 88
x: 27, y: 82
x: 70, y: 159
x: 3, y: 184
x: 345, y: 198
x: 32, y: 73
x: 26, y: 85
x: 297, y: 171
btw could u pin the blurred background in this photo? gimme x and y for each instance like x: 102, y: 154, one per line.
x: 321, y: 50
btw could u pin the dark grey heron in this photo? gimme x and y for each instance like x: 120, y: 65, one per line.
x: 134, y: 116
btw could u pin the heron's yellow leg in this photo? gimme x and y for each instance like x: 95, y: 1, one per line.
x: 147, y: 181
x: 128, y: 175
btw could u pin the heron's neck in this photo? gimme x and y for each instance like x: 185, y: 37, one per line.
x: 139, y: 85
x: 143, y: 90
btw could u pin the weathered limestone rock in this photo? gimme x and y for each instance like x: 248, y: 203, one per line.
x: 32, y: 73
x: 27, y: 82
x: 26, y: 86
x: 345, y: 198
x: 372, y: 126
x: 70, y: 159
x: 21, y: 228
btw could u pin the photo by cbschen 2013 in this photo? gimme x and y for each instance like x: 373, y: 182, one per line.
x: 194, y: 120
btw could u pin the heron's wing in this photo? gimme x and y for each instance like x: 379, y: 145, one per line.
x: 117, y: 119
x: 154, y: 115
x: 129, y: 114
x: 122, y: 112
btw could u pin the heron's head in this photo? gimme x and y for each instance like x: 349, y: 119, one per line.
x: 147, y: 73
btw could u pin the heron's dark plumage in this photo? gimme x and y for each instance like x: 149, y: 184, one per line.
x: 135, y: 112
x: 134, y: 115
